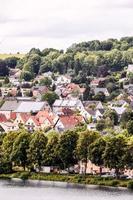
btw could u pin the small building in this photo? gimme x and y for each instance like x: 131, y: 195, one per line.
x: 8, y: 126
x: 32, y: 107
x: 8, y: 107
x: 103, y: 90
x: 93, y: 104
x: 130, y: 68
x: 63, y: 80
x: 60, y: 104
x: 67, y: 122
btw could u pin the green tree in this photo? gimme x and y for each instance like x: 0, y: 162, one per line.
x: 20, y: 149
x: 100, y: 96
x: 26, y: 75
x: 102, y: 71
x: 7, y: 145
x: 100, y: 125
x: 66, y: 149
x: 19, y: 93
x: 6, y: 80
x: 4, y: 70
x: 126, y: 117
x: 34, y: 62
x: 29, y: 93
x: 130, y: 153
x: 96, y: 151
x: 115, y: 153
x: 45, y: 82
x: 86, y: 94
x: 111, y: 87
x: 112, y: 114
x: 52, y: 158
x: 130, y: 127
x: 85, y: 140
x: 11, y: 62
x: 1, y: 149
x: 50, y: 97
x: 37, y: 149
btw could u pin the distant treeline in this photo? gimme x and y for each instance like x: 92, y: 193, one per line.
x: 97, y: 58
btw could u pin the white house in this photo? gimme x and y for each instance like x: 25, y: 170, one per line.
x: 60, y: 104
x: 104, y: 90
x: 9, y: 126
x: 61, y: 80
x: 130, y: 68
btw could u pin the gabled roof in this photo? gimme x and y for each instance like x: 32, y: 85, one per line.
x: 97, y: 90
x: 72, y: 87
x: 10, y: 106
x: 3, y: 118
x: 119, y: 110
x: 40, y: 89
x: 97, y: 81
x: 70, y: 121
x: 66, y: 103
x: 118, y: 103
x: 91, y: 112
x: 13, y: 115
x: 24, y: 117
x: 33, y: 118
x: 89, y: 103
x: 29, y: 106
x: 45, y: 115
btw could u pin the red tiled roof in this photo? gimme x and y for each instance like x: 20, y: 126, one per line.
x: 67, y: 111
x: 35, y: 120
x: 70, y: 121
x: 13, y: 92
x: 95, y: 81
x: 3, y: 118
x: 45, y: 115
x: 24, y: 116
x: 13, y: 116
x: 72, y: 87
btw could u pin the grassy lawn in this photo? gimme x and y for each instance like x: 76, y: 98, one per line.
x: 3, y: 56
x: 70, y: 178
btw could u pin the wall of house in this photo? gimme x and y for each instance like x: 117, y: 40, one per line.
x: 6, y: 113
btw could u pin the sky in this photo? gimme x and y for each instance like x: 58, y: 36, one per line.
x: 59, y: 23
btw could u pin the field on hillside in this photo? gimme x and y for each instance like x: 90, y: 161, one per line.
x: 3, y: 56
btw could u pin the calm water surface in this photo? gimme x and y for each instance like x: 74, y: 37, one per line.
x: 17, y: 191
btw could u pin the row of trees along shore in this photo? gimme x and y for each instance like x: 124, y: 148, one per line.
x: 34, y: 150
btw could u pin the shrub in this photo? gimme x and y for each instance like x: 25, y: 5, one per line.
x: 130, y: 185
x: 5, y: 167
x: 114, y: 183
x: 25, y: 175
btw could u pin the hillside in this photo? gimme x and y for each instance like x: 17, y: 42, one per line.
x: 4, y: 56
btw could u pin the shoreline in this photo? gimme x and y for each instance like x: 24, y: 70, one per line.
x: 41, y: 183
x: 65, y: 181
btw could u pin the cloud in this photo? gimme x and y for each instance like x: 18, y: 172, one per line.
x: 25, y: 24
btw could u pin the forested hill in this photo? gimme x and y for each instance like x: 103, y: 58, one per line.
x: 97, y: 58
x: 107, y: 45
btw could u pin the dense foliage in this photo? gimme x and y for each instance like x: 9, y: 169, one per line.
x: 34, y: 150
x: 83, y: 59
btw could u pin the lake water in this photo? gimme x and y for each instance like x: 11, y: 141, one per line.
x: 10, y: 190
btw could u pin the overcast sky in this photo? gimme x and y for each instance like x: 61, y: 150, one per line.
x: 59, y: 23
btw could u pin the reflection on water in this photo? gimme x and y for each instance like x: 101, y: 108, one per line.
x: 18, y: 190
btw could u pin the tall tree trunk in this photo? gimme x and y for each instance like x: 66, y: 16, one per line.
x: 117, y: 173
x: 100, y: 170
x: 24, y: 167
x: 85, y: 166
